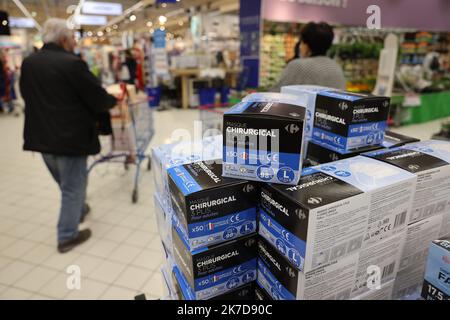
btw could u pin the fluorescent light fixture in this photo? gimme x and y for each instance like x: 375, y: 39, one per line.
x: 21, y: 22
x: 86, y: 20
x: 162, y: 19
x: 105, y: 8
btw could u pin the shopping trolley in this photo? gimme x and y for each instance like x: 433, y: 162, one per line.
x: 132, y: 126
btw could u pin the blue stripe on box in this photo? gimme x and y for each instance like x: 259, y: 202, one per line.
x: 184, y: 181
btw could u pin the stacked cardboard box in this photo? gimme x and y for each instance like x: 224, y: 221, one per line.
x: 342, y: 225
x: 429, y: 161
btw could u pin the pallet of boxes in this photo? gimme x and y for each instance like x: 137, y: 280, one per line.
x: 244, y: 220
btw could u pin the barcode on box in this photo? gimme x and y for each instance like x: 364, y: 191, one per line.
x: 400, y: 219
x: 388, y: 270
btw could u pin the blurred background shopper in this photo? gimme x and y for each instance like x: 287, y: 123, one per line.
x: 62, y: 100
x: 313, y: 67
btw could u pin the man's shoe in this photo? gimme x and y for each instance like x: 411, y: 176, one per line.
x: 68, y: 245
x: 86, y: 210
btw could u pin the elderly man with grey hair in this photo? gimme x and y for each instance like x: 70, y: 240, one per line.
x: 63, y: 99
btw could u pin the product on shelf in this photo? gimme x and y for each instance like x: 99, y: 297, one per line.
x: 210, y: 208
x: 414, y: 256
x: 320, y: 153
x: 215, y: 270
x: 335, y: 210
x: 393, y: 140
x: 346, y: 278
x: 263, y: 139
x: 436, y: 285
x: 430, y: 162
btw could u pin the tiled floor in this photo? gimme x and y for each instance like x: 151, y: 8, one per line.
x: 123, y: 257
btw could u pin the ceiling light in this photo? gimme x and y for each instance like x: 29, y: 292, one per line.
x: 90, y: 34
x: 100, y: 33
x: 149, y: 24
x: 162, y: 19
x: 5, y: 22
x: 115, y: 26
x: 180, y: 23
x: 133, y: 18
x: 108, y: 29
x: 163, y: 4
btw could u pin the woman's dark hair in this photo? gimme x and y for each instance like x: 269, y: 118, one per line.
x: 318, y: 37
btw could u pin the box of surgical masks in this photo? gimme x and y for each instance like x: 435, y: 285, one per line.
x: 335, y: 210
x: 347, y: 278
x: 261, y: 294
x: 210, y: 208
x: 306, y: 95
x: 384, y: 292
x: 164, y: 223
x: 217, y: 269
x: 392, y: 139
x: 414, y: 255
x: 263, y: 139
x: 245, y: 292
x: 167, y: 156
x: 342, y: 119
x: 320, y: 153
x: 436, y: 285
x: 430, y: 162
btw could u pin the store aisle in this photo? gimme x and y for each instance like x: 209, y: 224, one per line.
x: 123, y: 257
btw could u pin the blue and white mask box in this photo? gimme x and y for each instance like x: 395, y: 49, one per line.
x: 217, y: 269
x: 342, y: 119
x: 164, y: 223
x: 167, y: 156
x: 436, y: 285
x: 419, y: 235
x: 335, y: 210
x: 430, y: 162
x: 350, y: 277
x: 210, y: 208
x: 263, y: 139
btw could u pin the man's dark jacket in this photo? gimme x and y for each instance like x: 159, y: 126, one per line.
x: 62, y: 101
